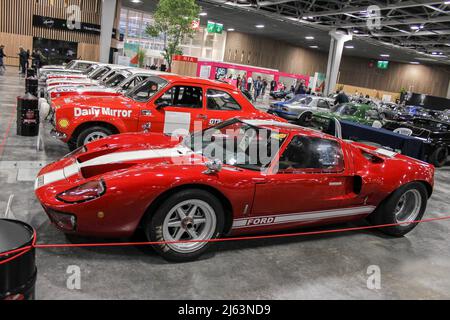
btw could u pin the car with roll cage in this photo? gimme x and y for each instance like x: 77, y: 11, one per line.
x: 435, y: 134
x: 350, y: 111
x: 74, y: 68
x: 165, y: 103
x: 228, y: 180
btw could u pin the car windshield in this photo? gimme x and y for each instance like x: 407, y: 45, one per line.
x: 117, y: 79
x: 89, y: 71
x: 347, y: 110
x: 147, y: 89
x: 100, y: 72
x: 71, y: 64
x: 237, y: 143
x: 300, y: 99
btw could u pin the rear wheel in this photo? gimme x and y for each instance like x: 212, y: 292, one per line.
x: 404, y: 206
x: 91, y: 134
x: 439, y: 157
x: 186, y: 216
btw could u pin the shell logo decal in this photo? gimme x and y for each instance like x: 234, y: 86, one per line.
x: 63, y: 123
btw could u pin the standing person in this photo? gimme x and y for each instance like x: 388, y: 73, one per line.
x: 244, y: 83
x: 264, y: 87
x: 23, y: 60
x: 28, y: 59
x: 249, y: 83
x: 273, y: 85
x: 36, y: 59
x: 341, y: 98
x: 238, y: 82
x: 2, y: 56
x: 258, y: 87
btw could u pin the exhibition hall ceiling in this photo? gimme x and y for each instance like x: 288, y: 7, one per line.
x: 406, y: 31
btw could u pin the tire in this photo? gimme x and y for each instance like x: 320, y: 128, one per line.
x: 439, y: 157
x: 157, y: 229
x: 305, y: 119
x: 410, y: 209
x: 89, y: 134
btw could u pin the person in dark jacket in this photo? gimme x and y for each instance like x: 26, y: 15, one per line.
x: 2, y: 56
x: 23, y: 59
x: 341, y: 98
x: 36, y: 59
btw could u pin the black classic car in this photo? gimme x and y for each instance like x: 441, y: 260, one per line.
x: 435, y: 134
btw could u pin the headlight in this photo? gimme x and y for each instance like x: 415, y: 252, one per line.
x: 86, y: 192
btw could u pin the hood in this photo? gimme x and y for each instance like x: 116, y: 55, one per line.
x: 116, y: 155
x: 91, y: 102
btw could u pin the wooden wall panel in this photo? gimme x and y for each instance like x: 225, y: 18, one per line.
x: 16, y: 17
x: 264, y: 52
x: 88, y: 51
x: 12, y: 42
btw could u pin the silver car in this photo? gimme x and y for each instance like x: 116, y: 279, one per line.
x: 301, y: 108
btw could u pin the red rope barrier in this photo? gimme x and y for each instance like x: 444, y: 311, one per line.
x: 24, y: 250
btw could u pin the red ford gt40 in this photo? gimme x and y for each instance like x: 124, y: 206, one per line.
x: 167, y: 104
x: 241, y: 176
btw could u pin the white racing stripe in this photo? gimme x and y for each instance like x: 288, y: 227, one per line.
x: 118, y: 157
x: 300, y: 217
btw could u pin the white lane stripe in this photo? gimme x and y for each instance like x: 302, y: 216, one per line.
x: 299, y: 217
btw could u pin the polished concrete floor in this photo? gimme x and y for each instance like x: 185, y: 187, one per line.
x: 316, y: 267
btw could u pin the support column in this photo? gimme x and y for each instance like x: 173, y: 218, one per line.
x: 338, y: 38
x: 108, y: 14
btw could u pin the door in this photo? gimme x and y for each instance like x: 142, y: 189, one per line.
x: 178, y: 111
x: 220, y: 106
x: 310, y: 182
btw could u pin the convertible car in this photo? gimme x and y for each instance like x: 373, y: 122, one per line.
x: 169, y: 104
x: 435, y: 134
x: 229, y: 180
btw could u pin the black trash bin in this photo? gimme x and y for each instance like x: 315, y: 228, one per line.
x: 18, y: 269
x: 27, y: 115
x: 31, y: 72
x: 32, y: 85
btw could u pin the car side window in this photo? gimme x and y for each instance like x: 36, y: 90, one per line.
x: 82, y: 66
x: 183, y: 97
x: 222, y: 101
x: 323, y: 104
x: 312, y: 155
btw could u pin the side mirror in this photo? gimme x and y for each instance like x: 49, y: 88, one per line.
x: 162, y: 105
x: 213, y: 167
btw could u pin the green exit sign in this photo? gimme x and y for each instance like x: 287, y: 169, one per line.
x: 214, y: 27
x: 383, y: 64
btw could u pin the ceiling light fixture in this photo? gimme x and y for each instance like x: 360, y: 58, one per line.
x: 384, y: 55
x: 259, y: 26
x: 203, y: 14
x: 313, y: 47
x: 414, y: 62
x: 350, y: 47
x: 230, y: 29
x: 309, y: 38
x: 136, y: 1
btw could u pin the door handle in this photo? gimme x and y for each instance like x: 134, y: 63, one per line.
x: 202, y: 116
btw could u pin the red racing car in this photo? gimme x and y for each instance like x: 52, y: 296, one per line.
x: 241, y: 176
x: 169, y: 104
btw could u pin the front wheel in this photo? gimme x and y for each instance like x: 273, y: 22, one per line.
x: 439, y: 157
x: 403, y: 207
x: 91, y: 134
x: 183, y: 218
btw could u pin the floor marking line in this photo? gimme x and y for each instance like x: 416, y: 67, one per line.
x: 7, y: 133
x: 23, y: 250
x: 8, y: 206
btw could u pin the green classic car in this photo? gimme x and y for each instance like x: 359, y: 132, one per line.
x: 354, y: 112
